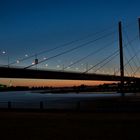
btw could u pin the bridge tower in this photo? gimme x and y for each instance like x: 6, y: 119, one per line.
x: 121, y: 58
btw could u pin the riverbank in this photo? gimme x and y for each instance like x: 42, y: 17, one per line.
x: 69, y: 126
x: 111, y: 119
x: 72, y: 102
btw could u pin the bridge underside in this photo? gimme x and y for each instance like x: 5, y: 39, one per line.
x: 48, y: 74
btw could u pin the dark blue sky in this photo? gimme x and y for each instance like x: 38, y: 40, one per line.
x: 28, y: 26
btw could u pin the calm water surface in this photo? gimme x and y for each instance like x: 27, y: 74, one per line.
x: 28, y: 99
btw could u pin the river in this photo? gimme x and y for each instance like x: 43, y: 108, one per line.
x: 29, y: 99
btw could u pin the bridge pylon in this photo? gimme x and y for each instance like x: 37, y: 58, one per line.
x: 121, y: 58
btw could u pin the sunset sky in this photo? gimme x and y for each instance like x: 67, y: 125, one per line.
x: 55, y: 83
x: 28, y: 27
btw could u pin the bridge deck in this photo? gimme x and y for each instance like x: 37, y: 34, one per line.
x: 6, y: 72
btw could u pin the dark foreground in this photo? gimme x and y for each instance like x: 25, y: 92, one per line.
x: 108, y: 119
x: 69, y: 126
x: 112, y: 119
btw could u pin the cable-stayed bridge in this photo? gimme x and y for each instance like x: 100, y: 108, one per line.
x: 50, y: 74
x: 128, y: 68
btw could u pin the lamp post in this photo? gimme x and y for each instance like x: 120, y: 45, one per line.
x: 8, y: 60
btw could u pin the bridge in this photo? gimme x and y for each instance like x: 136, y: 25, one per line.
x: 46, y: 74
x: 10, y: 71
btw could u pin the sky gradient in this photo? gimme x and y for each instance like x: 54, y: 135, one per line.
x: 30, y: 26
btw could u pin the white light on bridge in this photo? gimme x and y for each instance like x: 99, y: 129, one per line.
x: 17, y: 61
x: 3, y: 52
x: 58, y: 66
x: 33, y: 63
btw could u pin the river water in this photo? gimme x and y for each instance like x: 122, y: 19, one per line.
x: 28, y: 99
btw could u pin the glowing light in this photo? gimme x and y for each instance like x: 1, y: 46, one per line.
x: 77, y: 68
x: 3, y: 52
x: 58, y: 66
x: 17, y: 61
x: 33, y: 63
x: 44, y: 58
x: 26, y: 55
x: 46, y: 65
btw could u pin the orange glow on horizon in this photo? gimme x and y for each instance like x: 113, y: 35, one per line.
x: 54, y: 83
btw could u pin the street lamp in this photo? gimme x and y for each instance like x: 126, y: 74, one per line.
x: 17, y: 61
x: 4, y: 53
x: 46, y: 65
x: 26, y: 55
x: 58, y: 66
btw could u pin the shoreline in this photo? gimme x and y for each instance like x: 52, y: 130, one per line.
x: 69, y: 125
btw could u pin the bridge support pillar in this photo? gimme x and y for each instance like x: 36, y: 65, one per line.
x: 121, y: 58
x: 41, y: 105
x: 9, y: 105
